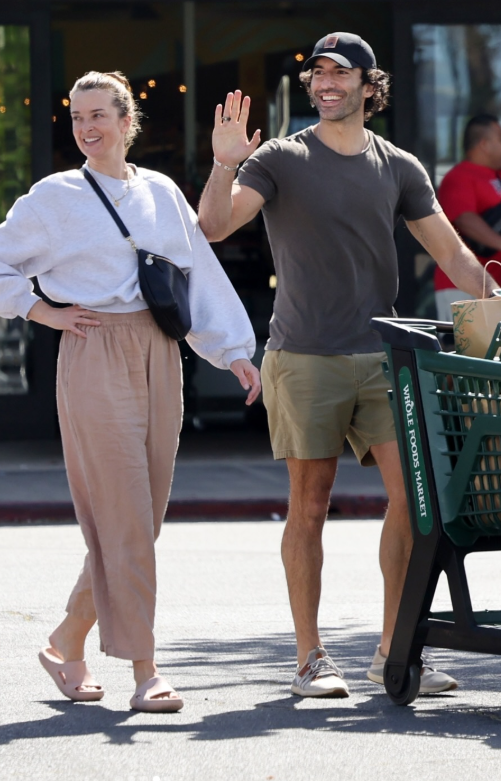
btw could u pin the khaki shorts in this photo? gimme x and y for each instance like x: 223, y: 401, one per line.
x: 315, y: 402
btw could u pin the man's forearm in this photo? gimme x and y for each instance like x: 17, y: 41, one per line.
x: 468, y: 274
x: 215, y: 208
x: 436, y: 234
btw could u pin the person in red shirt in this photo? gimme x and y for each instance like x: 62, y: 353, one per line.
x: 470, y: 195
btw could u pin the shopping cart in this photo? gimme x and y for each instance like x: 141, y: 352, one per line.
x: 447, y: 411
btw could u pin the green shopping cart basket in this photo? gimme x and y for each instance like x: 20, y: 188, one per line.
x: 447, y: 411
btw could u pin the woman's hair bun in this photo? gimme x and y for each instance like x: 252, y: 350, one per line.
x: 119, y: 76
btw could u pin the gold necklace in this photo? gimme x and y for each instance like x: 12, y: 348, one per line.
x: 116, y: 201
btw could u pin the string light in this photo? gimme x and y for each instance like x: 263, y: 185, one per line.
x: 65, y: 102
x: 3, y: 109
x: 143, y: 95
x: 183, y: 88
x: 54, y: 118
x: 27, y: 101
x: 272, y: 282
x: 299, y: 57
x: 152, y: 83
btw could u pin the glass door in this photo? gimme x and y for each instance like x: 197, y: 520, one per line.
x: 457, y: 75
x: 15, y: 179
x: 27, y: 350
x: 447, y: 67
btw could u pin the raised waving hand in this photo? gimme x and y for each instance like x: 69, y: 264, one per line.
x: 229, y: 140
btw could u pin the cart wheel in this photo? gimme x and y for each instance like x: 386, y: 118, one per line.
x: 410, y: 689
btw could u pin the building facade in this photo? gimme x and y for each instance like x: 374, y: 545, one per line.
x: 182, y: 58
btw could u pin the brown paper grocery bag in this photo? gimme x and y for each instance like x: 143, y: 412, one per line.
x: 474, y: 323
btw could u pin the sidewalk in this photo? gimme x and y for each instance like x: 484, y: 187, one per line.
x: 219, y: 473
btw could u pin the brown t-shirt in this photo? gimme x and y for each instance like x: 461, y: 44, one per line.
x: 330, y: 220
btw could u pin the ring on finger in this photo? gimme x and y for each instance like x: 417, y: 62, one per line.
x: 226, y: 119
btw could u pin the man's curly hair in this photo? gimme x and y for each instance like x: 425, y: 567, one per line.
x: 378, y: 78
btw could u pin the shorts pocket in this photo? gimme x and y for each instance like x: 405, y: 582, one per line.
x: 273, y: 360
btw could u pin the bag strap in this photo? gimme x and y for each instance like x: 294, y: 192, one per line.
x: 485, y: 271
x: 97, y: 189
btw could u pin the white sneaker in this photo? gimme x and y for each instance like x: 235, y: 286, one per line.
x: 432, y: 681
x: 319, y: 677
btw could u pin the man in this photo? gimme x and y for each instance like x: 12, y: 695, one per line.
x: 330, y: 196
x: 470, y: 195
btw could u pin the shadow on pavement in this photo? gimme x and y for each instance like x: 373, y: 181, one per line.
x: 265, y: 719
x: 242, y: 662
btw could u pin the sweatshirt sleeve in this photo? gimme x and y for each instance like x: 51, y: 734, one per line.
x: 24, y: 249
x: 221, y: 331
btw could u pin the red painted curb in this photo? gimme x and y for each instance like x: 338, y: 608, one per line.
x: 344, y: 506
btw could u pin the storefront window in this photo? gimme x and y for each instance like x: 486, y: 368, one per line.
x: 15, y: 179
x: 14, y: 338
x: 458, y: 74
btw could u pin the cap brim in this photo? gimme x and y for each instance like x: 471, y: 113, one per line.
x: 336, y: 57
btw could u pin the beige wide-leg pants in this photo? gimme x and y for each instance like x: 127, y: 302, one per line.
x: 120, y: 410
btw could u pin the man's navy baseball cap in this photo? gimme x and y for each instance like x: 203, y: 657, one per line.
x: 344, y: 48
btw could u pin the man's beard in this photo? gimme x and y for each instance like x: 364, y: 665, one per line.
x: 351, y: 106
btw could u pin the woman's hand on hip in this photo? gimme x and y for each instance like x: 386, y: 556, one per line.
x: 67, y: 318
x: 249, y: 377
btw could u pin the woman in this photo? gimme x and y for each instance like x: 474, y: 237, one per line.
x: 119, y: 376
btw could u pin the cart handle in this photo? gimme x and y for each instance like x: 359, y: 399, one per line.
x: 405, y: 333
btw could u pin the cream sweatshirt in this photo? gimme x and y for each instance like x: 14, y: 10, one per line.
x: 61, y: 233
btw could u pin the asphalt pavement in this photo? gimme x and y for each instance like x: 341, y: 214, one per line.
x: 224, y: 638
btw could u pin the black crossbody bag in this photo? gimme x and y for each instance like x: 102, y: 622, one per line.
x: 163, y: 284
